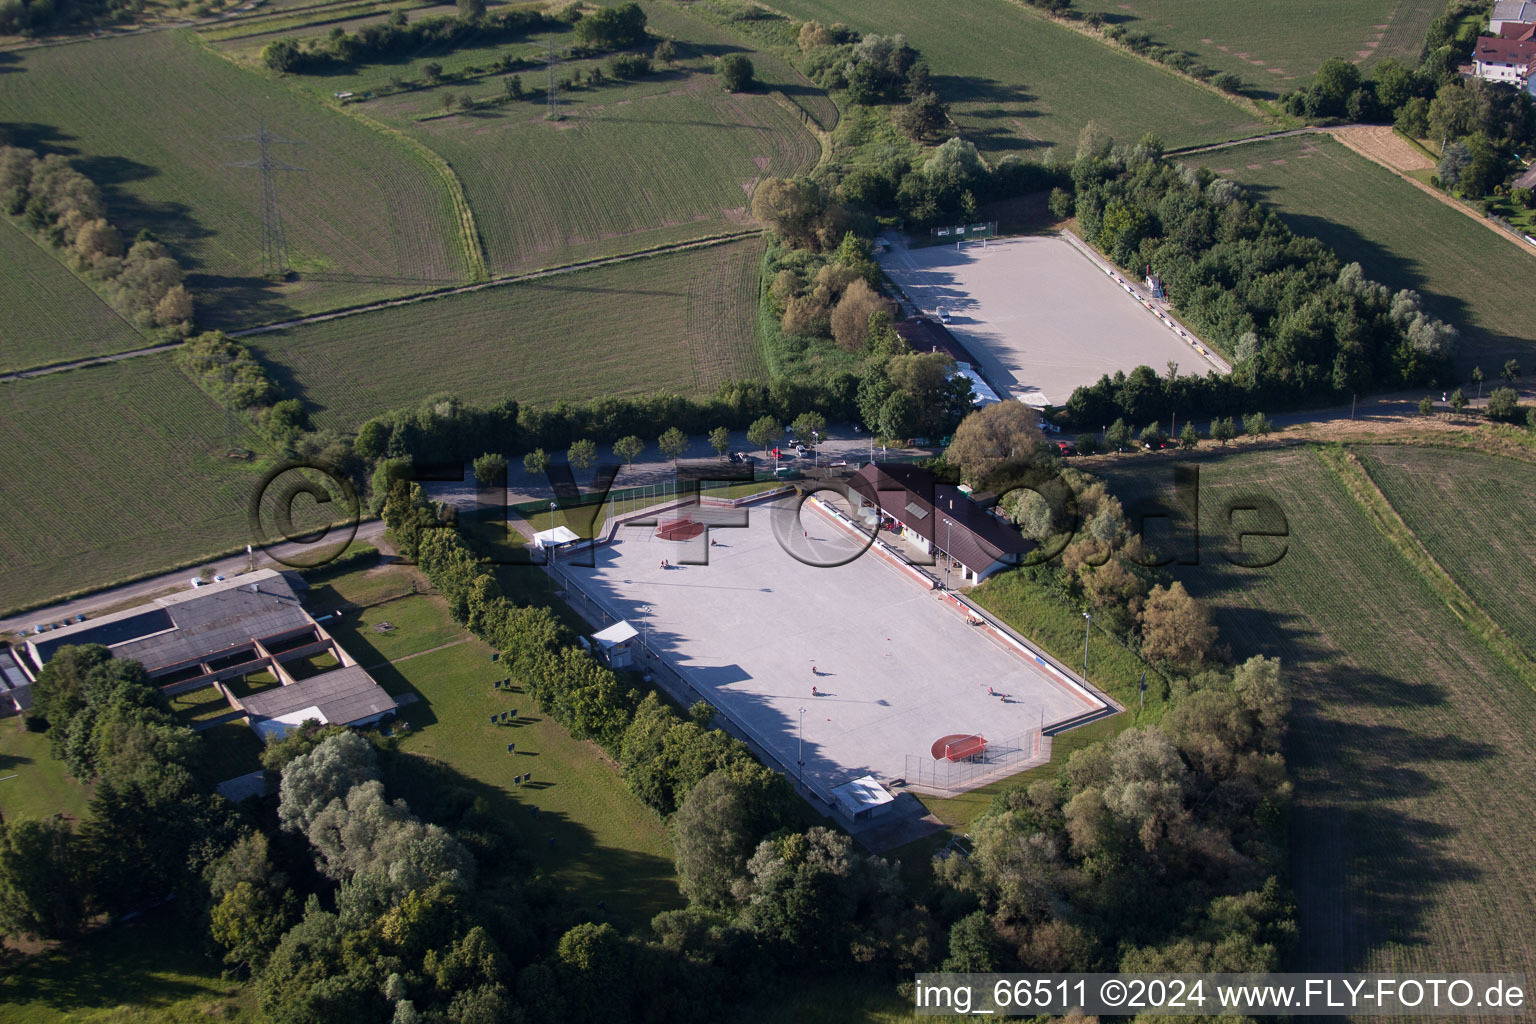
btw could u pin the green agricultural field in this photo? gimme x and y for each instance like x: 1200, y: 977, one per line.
x: 1411, y: 744
x: 676, y: 322
x: 32, y: 783
x: 1468, y: 275
x: 1474, y: 515
x: 627, y: 168
x: 1018, y: 83
x: 111, y: 472
x: 365, y: 218
x: 51, y: 315
x: 1277, y: 46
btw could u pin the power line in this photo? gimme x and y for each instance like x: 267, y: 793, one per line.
x: 554, y: 97
x: 274, y: 243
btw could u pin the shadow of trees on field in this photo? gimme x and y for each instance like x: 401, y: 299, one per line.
x: 1371, y: 751
x: 992, y: 109
x: 549, y: 840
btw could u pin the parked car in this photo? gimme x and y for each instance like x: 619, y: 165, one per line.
x: 1048, y: 427
x: 196, y: 581
x: 1066, y: 448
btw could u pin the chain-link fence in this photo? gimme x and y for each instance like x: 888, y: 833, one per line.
x: 999, y: 758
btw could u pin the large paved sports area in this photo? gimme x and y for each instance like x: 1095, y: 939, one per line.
x: 1039, y: 317
x: 894, y: 667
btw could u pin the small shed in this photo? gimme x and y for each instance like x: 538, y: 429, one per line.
x: 558, y: 537
x: 863, y: 798
x: 617, y: 643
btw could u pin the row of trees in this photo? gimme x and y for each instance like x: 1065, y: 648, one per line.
x: 1296, y: 323
x: 66, y: 209
x: 399, y: 37
x: 40, y: 17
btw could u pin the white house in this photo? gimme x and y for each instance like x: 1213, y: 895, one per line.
x: 1504, y: 60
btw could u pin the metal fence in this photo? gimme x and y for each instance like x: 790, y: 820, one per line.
x: 999, y: 759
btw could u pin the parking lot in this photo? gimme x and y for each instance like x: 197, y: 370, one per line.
x: 1039, y: 317
x: 771, y: 616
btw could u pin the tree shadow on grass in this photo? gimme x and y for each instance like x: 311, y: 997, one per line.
x: 1367, y: 870
x: 631, y: 882
x: 44, y: 138
x: 10, y: 762
x: 152, y: 962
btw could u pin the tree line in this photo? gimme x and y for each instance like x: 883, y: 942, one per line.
x: 41, y: 17
x: 66, y: 210
x: 399, y: 37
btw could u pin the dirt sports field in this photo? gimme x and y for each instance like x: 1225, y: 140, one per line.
x: 772, y: 615
x: 1039, y: 317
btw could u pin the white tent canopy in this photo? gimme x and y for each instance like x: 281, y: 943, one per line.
x: 620, y: 632
x: 560, y: 535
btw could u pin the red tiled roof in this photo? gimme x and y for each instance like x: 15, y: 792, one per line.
x: 977, y: 539
x: 1515, y: 30
x: 1496, y: 50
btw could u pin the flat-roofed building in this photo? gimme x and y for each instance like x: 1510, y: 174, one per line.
x: 220, y: 631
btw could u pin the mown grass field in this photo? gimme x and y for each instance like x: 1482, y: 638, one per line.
x: 1017, y: 83
x: 1277, y: 46
x: 607, y: 845
x: 1411, y: 746
x: 152, y: 972
x: 365, y: 218
x: 1474, y: 515
x: 51, y: 315
x: 680, y: 322
x: 111, y: 472
x: 1468, y: 275
x: 420, y: 623
x: 41, y: 787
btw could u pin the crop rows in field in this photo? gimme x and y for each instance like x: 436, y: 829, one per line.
x: 620, y: 174
x: 1400, y: 236
x: 679, y: 322
x: 1410, y: 747
x: 364, y: 217
x: 1277, y: 46
x: 51, y: 316
x: 113, y: 471
x: 1018, y: 83
x: 1474, y: 514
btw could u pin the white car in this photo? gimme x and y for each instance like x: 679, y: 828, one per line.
x: 943, y: 315
x: 196, y: 581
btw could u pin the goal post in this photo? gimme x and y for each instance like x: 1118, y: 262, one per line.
x: 962, y: 233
